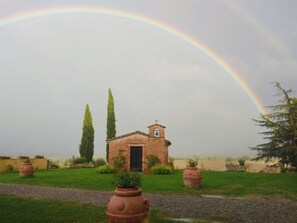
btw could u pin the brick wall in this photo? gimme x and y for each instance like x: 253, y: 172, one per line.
x: 154, y: 146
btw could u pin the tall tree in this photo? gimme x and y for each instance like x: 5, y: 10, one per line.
x: 86, y: 147
x: 111, y: 125
x: 281, y: 134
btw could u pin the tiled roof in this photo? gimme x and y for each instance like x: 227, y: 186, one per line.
x: 129, y: 134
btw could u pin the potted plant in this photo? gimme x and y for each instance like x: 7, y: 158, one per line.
x: 127, y: 204
x: 191, y: 174
x: 26, y: 169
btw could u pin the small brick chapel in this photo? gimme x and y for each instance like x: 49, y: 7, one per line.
x: 136, y: 146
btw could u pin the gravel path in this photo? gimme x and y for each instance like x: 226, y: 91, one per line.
x: 179, y: 206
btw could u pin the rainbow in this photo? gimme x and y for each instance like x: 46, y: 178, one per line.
x: 149, y: 21
x: 263, y: 31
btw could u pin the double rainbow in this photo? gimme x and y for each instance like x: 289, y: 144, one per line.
x: 149, y: 21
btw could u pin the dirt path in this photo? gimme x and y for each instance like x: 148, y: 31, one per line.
x: 179, y: 206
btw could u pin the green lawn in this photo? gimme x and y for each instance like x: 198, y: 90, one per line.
x: 21, y: 210
x: 213, y: 182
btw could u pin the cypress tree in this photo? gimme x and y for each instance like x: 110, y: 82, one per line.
x: 110, y: 126
x: 86, y: 147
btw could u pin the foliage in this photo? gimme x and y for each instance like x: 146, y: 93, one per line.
x: 152, y: 160
x: 193, y: 162
x: 69, y: 162
x: 86, y: 147
x: 281, y: 134
x: 99, y: 162
x: 53, y: 164
x: 9, y: 168
x: 74, y: 160
x: 171, y: 159
x: 106, y: 169
x: 119, y: 160
x: 241, y: 162
x: 110, y: 126
x: 127, y: 179
x: 161, y: 170
x: 79, y: 160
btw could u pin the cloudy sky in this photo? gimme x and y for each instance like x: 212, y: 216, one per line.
x: 53, y: 64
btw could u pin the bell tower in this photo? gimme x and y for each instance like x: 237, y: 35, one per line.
x: 156, y: 131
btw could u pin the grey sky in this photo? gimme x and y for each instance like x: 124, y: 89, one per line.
x: 52, y: 66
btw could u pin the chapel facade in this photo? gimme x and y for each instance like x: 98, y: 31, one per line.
x: 137, y: 146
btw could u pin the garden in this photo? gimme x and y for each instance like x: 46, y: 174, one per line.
x: 229, y: 184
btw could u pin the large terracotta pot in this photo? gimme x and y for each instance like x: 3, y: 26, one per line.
x: 127, y: 205
x: 191, y: 177
x: 26, y: 170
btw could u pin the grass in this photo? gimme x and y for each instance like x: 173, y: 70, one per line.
x: 18, y: 210
x: 213, y: 182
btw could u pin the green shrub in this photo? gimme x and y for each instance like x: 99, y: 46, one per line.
x: 161, y: 170
x: 106, y: 169
x: 127, y: 179
x: 80, y: 160
x: 9, y: 168
x: 119, y: 160
x: 53, y: 164
x: 241, y: 162
x: 99, y: 162
x: 152, y: 160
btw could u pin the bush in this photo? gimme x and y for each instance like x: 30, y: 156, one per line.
x: 80, y: 160
x: 241, y: 162
x: 161, y: 170
x: 73, y: 161
x: 106, y: 169
x: 152, y: 160
x: 127, y: 179
x: 119, y: 160
x: 53, y: 164
x: 99, y: 162
x: 9, y: 168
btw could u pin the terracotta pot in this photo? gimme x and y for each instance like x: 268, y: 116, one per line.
x: 127, y: 205
x: 191, y: 177
x: 147, y: 171
x: 26, y: 170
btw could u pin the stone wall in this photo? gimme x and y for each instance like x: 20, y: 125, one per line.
x: 37, y: 163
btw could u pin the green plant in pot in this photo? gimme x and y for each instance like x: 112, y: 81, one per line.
x: 127, y: 204
x: 193, y: 162
x: 191, y: 174
x: 127, y: 179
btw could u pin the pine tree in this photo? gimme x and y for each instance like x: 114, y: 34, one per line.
x: 86, y: 147
x: 281, y: 135
x: 110, y: 126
